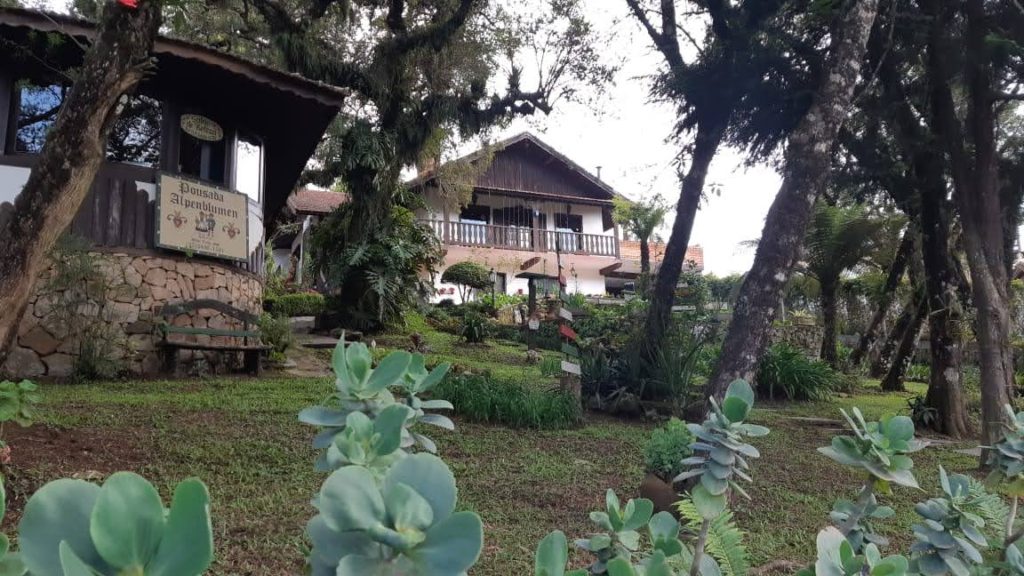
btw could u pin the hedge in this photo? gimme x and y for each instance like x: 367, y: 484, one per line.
x: 301, y: 304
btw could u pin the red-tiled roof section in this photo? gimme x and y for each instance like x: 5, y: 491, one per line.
x: 629, y: 250
x: 314, y: 202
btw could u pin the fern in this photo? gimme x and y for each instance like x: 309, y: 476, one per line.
x: 990, y: 507
x: 724, y: 542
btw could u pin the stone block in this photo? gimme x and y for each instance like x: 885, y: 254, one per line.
x: 202, y: 270
x: 186, y: 269
x: 156, y: 277
x: 142, y: 342
x: 160, y: 294
x: 139, y: 327
x: 132, y: 277
x: 23, y: 363
x: 205, y: 283
x: 59, y: 365
x: 40, y: 341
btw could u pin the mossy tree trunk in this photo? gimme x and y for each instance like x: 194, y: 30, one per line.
x: 892, y: 282
x: 72, y: 154
x: 805, y: 175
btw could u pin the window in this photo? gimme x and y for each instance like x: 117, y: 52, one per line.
x: 135, y: 136
x: 201, y: 152
x: 37, y: 109
x: 472, y: 228
x: 249, y: 167
x: 500, y: 282
x: 475, y: 214
x: 567, y: 226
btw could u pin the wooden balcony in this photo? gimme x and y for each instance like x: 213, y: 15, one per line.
x: 522, y: 238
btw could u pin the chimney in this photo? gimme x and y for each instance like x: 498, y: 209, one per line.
x: 599, y: 172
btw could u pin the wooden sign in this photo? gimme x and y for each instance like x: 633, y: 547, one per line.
x: 201, y: 128
x: 565, y: 313
x: 568, y: 332
x: 529, y: 263
x: 571, y: 368
x: 198, y: 218
x: 570, y: 350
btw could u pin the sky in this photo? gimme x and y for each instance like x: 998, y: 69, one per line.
x: 628, y: 140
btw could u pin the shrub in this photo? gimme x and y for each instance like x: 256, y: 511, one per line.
x: 474, y: 328
x: 300, y: 304
x: 918, y: 373
x: 788, y: 373
x: 667, y: 447
x: 509, y: 332
x: 467, y: 276
x: 276, y: 331
x: 481, y: 399
x: 550, y: 366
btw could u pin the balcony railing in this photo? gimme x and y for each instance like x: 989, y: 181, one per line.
x: 522, y: 238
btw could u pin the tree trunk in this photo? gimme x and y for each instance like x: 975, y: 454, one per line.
x: 805, y: 175
x: 659, y: 313
x: 976, y: 193
x: 829, y: 297
x: 893, y: 381
x: 881, y: 364
x: 72, y: 154
x: 645, y: 256
x: 892, y: 282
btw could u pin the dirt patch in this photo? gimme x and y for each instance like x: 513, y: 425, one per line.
x: 43, y: 453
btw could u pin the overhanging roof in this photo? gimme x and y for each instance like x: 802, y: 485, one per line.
x: 288, y: 112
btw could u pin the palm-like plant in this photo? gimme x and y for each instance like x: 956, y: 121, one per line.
x: 838, y: 239
x: 641, y: 219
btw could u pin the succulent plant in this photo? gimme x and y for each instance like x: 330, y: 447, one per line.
x: 947, y: 541
x: 361, y: 388
x: 861, y: 530
x: 552, y: 555
x: 18, y: 400
x: 880, y: 448
x: 402, y: 524
x: 75, y: 528
x: 620, y: 526
x: 1007, y: 456
x: 373, y: 444
x: 719, y: 450
x: 10, y: 562
x: 837, y: 558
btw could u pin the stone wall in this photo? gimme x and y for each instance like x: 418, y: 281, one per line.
x: 804, y: 337
x: 136, y: 289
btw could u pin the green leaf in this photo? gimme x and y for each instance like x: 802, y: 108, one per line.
x: 452, y: 546
x: 735, y: 409
x: 430, y: 477
x: 127, y: 523
x: 187, y: 547
x: 641, y: 514
x: 899, y: 428
x: 58, y: 512
x: 741, y: 390
x: 620, y: 567
x: 708, y: 505
x: 552, y: 555
x: 350, y: 500
x: 390, y: 371
x: 71, y: 564
x: 407, y: 509
x: 323, y: 416
x: 389, y: 425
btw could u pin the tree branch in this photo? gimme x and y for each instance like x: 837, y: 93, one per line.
x: 435, y: 35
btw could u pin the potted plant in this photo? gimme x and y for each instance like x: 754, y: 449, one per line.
x: 667, y: 447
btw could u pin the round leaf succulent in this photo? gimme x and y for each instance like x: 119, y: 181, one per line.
x: 72, y: 527
x: 1007, y: 456
x: 880, y: 448
x: 720, y: 453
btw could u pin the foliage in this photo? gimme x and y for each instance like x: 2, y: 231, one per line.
x: 786, y: 371
x: 474, y: 328
x: 297, y: 304
x: 918, y: 373
x: 276, y: 331
x: 1007, y: 456
x: 724, y: 539
x: 75, y: 528
x: 666, y: 449
x: 361, y: 388
x: 379, y: 274
x: 483, y: 399
x: 18, y: 402
x: 671, y: 369
x: 499, y: 300
x: 574, y: 300
x: 641, y: 218
x: 550, y: 366
x: 468, y: 276
x: 720, y: 453
x: 403, y: 523
x: 79, y: 292
x: 947, y: 541
x: 619, y: 536
x: 923, y: 415
x: 879, y: 448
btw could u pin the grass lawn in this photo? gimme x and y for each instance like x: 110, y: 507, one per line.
x: 242, y: 438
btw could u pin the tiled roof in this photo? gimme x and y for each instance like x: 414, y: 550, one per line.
x: 629, y: 250
x: 315, y: 202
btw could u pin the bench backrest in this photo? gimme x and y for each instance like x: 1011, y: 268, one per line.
x: 250, y: 330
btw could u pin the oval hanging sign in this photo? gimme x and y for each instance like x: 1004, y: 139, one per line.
x: 201, y: 128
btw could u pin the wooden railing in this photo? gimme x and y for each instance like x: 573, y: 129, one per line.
x: 522, y: 238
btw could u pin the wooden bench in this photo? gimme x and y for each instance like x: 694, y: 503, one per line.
x: 252, y: 347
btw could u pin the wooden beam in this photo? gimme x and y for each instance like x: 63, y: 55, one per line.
x: 529, y: 263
